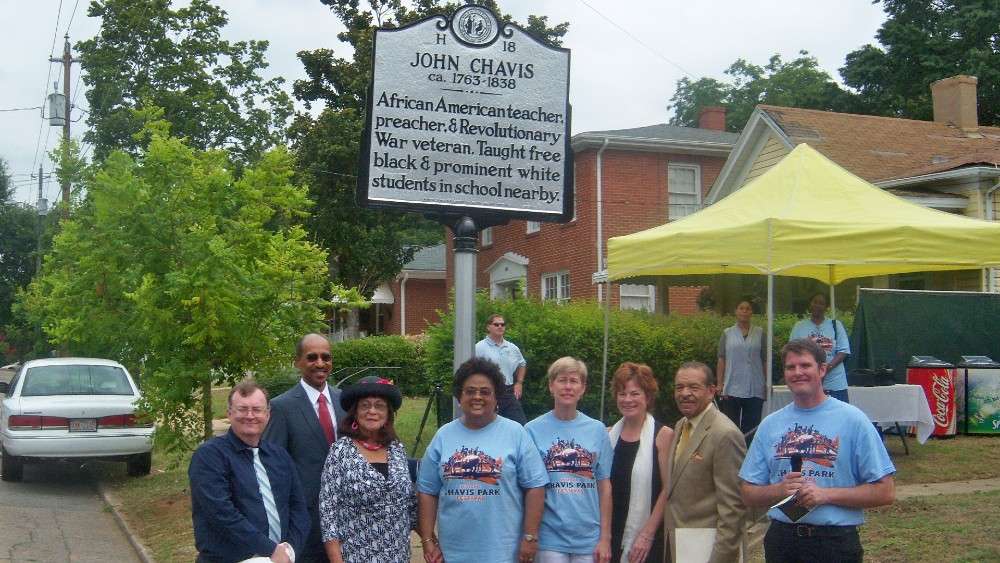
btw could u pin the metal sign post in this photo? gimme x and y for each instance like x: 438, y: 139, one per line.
x: 468, y: 121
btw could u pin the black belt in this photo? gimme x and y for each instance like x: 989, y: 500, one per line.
x: 813, y: 531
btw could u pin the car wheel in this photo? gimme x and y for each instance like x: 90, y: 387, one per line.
x: 140, y: 464
x: 11, y: 466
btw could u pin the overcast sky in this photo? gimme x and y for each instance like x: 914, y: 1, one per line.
x: 626, y: 55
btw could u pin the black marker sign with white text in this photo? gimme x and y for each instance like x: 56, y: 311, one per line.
x: 468, y: 116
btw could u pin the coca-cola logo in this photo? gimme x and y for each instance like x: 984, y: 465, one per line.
x: 941, y: 389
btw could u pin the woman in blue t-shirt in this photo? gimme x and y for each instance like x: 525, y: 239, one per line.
x: 576, y: 525
x: 481, y: 480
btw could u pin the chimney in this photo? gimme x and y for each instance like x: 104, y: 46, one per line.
x: 955, y: 103
x: 714, y: 117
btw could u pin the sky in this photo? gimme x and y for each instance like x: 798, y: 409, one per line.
x: 627, y: 55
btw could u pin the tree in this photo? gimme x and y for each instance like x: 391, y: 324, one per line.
x: 18, y: 247
x: 796, y: 83
x: 183, y: 273
x: 147, y: 53
x: 923, y: 42
x: 366, y: 246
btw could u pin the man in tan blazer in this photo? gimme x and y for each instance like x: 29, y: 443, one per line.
x: 704, y: 461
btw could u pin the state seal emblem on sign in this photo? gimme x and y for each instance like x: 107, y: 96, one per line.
x: 475, y: 25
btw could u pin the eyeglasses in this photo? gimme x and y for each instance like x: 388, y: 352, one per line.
x: 378, y: 406
x: 484, y: 392
x: 499, y: 324
x: 313, y: 356
x: 247, y: 410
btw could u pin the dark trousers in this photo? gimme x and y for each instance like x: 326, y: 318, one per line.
x: 510, y: 407
x: 792, y: 543
x: 743, y: 411
x: 840, y: 394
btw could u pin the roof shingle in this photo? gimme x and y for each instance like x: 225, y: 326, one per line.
x: 883, y: 148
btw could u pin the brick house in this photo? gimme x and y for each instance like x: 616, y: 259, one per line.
x: 949, y: 164
x: 410, y: 302
x: 626, y: 180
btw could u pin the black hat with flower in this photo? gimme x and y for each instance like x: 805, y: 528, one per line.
x: 371, y: 386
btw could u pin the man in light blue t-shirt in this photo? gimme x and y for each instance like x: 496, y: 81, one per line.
x: 507, y: 355
x: 844, y: 468
x: 830, y: 336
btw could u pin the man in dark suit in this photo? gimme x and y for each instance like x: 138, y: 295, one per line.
x: 304, y: 421
x: 705, y: 513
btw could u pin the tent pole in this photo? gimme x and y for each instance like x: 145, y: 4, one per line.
x: 833, y: 296
x: 770, y: 333
x: 604, y: 356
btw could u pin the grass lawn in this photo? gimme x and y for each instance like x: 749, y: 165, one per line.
x: 932, y: 529
x: 158, y: 507
x: 955, y: 459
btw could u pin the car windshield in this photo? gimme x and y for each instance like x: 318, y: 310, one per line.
x: 75, y: 380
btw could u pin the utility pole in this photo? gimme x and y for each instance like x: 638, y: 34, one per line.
x: 67, y: 60
x: 42, y: 207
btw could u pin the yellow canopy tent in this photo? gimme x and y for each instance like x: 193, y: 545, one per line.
x: 807, y: 217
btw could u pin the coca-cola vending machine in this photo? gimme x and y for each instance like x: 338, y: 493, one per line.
x: 938, y: 379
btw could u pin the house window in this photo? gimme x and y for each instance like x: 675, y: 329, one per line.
x: 683, y: 190
x: 533, y: 227
x: 486, y: 237
x: 555, y: 287
x: 637, y: 297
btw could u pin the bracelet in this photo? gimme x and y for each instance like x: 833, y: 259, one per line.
x: 426, y: 541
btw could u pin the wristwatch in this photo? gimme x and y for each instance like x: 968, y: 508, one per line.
x: 530, y: 538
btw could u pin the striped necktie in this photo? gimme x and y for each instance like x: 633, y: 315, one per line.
x: 273, y: 522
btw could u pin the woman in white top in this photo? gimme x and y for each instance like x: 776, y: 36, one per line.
x: 741, y: 369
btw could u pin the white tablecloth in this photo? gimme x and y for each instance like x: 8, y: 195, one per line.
x: 905, y: 404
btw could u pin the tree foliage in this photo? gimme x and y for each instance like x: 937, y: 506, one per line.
x: 366, y: 246
x: 182, y: 272
x: 147, y: 53
x: 797, y: 83
x: 922, y: 42
x: 18, y: 247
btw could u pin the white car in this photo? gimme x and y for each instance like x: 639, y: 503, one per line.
x: 72, y: 408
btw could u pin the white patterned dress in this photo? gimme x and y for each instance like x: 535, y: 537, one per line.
x: 370, y: 515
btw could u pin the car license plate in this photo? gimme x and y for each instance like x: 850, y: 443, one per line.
x: 83, y: 425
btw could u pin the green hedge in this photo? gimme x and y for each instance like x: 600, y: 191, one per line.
x: 403, y: 356
x: 545, y: 331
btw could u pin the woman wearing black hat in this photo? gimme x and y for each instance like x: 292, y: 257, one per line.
x: 366, y: 501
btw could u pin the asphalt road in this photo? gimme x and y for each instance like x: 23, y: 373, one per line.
x: 55, y: 514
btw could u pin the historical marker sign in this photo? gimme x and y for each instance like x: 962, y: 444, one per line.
x: 468, y: 116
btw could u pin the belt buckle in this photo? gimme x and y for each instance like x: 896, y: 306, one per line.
x: 803, y: 531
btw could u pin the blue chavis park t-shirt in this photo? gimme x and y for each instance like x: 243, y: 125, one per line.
x: 839, y: 448
x: 479, y: 477
x: 577, y: 454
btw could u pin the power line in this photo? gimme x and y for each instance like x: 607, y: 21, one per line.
x: 71, y: 16
x: 45, y: 88
x: 637, y: 40
x: 21, y: 109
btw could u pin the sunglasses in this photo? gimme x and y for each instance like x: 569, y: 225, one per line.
x: 313, y: 356
x: 499, y: 324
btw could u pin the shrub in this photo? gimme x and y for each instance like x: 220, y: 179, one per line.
x: 403, y: 355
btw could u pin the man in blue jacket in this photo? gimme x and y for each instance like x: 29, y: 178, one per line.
x: 246, y: 499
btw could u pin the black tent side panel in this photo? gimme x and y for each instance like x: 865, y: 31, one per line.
x: 890, y: 326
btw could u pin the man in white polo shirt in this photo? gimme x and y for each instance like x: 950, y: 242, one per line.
x: 507, y: 355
